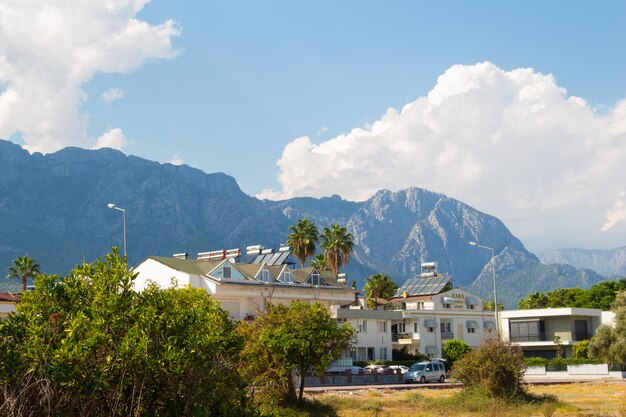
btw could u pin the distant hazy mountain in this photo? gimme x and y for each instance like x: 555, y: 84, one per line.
x: 610, y: 262
x: 54, y: 208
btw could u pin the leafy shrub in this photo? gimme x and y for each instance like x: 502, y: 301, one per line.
x: 453, y: 350
x: 581, y: 349
x: 534, y: 361
x: 495, y: 368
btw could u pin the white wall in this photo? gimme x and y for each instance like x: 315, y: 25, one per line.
x: 151, y: 270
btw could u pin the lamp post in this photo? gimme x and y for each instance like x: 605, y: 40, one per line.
x: 495, y: 292
x: 114, y: 207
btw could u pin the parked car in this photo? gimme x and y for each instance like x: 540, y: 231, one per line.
x: 403, y: 369
x: 429, y: 371
x: 380, y: 369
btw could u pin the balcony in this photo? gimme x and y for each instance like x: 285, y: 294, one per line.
x: 447, y: 335
x: 404, y: 338
x: 541, y: 337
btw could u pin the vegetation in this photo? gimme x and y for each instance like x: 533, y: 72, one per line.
x: 302, y: 239
x: 319, y: 262
x: 88, y: 345
x: 23, y: 267
x: 379, y: 286
x: 495, y: 368
x: 337, y: 244
x: 600, y: 296
x: 453, y: 350
x: 490, y: 306
x: 609, y: 343
x: 299, y: 339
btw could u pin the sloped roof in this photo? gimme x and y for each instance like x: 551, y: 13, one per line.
x: 189, y: 266
x: 8, y: 297
x: 249, y: 270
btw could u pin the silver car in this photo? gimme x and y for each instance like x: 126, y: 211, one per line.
x: 423, y: 372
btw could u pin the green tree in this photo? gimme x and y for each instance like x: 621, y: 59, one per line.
x: 453, y: 350
x: 88, y: 345
x: 534, y: 300
x: 379, y: 286
x: 496, y: 368
x: 283, y: 341
x: 337, y: 244
x: 581, y: 349
x: 23, y: 267
x: 302, y: 239
x: 489, y: 305
x: 319, y: 262
x: 609, y: 343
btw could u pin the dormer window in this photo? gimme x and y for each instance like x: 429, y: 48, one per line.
x: 227, y: 272
x: 266, y: 276
x: 316, y: 279
x: 286, y: 277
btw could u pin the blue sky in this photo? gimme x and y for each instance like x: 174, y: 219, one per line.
x: 229, y: 86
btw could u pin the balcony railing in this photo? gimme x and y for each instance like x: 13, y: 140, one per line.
x: 541, y: 337
x: 447, y: 335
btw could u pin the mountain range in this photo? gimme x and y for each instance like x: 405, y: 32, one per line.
x: 54, y: 208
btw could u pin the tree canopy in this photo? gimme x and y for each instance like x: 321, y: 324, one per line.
x: 284, y: 341
x: 600, y: 296
x: 88, y: 345
x: 302, y: 239
x: 379, y: 286
x: 609, y: 343
x: 23, y: 267
x: 337, y: 244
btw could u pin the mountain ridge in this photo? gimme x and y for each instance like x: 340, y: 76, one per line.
x: 54, y: 208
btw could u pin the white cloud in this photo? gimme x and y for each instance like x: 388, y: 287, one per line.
x: 511, y: 143
x: 47, y: 51
x: 113, y: 138
x: 112, y: 94
x: 176, y: 160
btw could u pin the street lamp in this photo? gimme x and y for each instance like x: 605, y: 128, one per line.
x: 114, y: 207
x: 495, y: 292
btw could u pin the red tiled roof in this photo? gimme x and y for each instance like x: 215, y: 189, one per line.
x: 7, y: 296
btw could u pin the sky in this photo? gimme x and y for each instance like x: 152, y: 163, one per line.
x: 516, y: 108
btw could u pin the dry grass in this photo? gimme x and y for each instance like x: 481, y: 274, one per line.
x: 594, y: 399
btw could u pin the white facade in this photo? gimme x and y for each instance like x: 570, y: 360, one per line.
x: 422, y: 325
x: 242, y: 289
x: 536, y: 330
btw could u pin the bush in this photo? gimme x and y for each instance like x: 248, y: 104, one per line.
x: 495, y: 368
x: 404, y: 355
x: 581, y: 349
x: 453, y: 350
x: 536, y: 361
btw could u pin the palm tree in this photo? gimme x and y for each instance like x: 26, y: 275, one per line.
x: 379, y: 286
x: 337, y: 244
x: 319, y: 262
x: 302, y: 239
x: 23, y: 267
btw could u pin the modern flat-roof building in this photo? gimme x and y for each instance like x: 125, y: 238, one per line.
x: 536, y: 331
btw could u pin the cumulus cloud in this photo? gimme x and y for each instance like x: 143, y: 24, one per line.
x: 112, y: 94
x: 511, y: 143
x: 112, y: 138
x: 47, y: 51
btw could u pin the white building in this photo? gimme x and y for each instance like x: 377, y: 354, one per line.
x: 536, y: 330
x: 8, y: 304
x: 244, y: 288
x: 426, y: 313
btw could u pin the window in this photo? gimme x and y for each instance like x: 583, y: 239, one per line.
x: 362, y: 326
x: 226, y: 272
x: 527, y: 331
x: 266, y: 276
x: 420, y: 305
x: 580, y: 330
x: 471, y: 330
x: 416, y: 326
x: 446, y: 328
x: 383, y: 353
x: 287, y: 277
x: 382, y: 326
x: 316, y: 279
x: 401, y: 328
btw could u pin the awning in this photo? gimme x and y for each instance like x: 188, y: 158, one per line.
x: 430, y: 323
x: 431, y: 350
x: 471, y: 324
x: 447, y: 300
x: 488, y: 324
x: 471, y: 301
